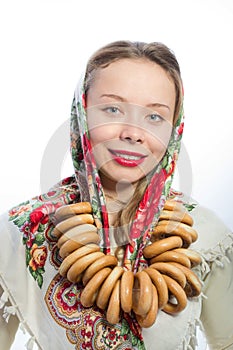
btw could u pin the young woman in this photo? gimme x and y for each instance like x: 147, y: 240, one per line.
x: 107, y: 251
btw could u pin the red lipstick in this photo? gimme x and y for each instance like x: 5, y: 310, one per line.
x: 126, y: 158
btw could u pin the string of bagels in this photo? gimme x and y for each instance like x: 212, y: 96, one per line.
x: 165, y: 284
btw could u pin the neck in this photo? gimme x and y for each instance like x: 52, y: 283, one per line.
x: 121, y: 191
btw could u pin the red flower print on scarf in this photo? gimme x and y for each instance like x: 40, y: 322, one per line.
x: 28, y: 236
x: 172, y: 165
x: 149, y: 205
x: 88, y: 155
x: 41, y: 215
x: 84, y: 101
x: 181, y: 128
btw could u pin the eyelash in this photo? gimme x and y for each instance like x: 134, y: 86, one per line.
x: 116, y: 110
x: 110, y: 109
x: 157, y: 116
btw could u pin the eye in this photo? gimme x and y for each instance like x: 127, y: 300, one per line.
x: 155, y: 118
x: 112, y: 110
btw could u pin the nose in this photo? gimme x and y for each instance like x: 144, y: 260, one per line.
x: 132, y: 134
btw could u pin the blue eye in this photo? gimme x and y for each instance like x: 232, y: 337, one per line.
x: 155, y: 118
x: 112, y: 110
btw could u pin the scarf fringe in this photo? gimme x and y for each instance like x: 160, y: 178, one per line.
x: 30, y: 343
x: 9, y: 310
x: 191, y: 342
x: 218, y: 255
x: 4, y: 299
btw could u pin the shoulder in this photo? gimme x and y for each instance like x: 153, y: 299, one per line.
x: 211, y: 230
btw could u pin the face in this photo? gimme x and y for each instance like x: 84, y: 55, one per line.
x: 130, y: 108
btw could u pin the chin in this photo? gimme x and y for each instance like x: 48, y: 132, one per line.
x: 123, y: 176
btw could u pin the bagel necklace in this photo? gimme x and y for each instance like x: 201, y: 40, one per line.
x: 164, y: 285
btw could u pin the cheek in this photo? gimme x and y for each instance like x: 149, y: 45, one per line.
x: 158, y: 143
x: 100, y: 134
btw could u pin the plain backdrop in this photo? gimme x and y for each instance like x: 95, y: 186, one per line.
x: 44, y: 47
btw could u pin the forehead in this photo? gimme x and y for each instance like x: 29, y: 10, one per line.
x: 134, y: 78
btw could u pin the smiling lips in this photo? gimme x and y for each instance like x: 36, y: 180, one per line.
x: 126, y: 158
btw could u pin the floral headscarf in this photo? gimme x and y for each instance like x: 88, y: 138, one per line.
x: 91, y: 189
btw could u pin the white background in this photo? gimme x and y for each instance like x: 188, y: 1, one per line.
x: 44, y: 47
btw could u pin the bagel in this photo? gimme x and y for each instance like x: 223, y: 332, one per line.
x: 166, y: 230
x: 162, y: 246
x: 107, y: 287
x: 90, y: 291
x: 193, y: 256
x: 75, y: 232
x: 77, y: 254
x: 71, y: 222
x: 174, y: 256
x: 193, y: 285
x: 160, y: 284
x: 127, y: 282
x: 67, y: 211
x: 171, y: 270
x: 142, y: 293
x: 106, y: 260
x: 173, y: 205
x: 181, y: 216
x: 83, y: 239
x: 114, y: 306
x: 177, y: 291
x: 148, y: 320
x: 81, y: 264
x: 170, y: 225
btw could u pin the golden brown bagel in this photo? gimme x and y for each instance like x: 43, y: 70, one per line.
x: 193, y: 285
x: 167, y: 228
x: 172, y: 255
x: 106, y: 260
x: 172, y: 204
x: 142, y: 293
x: 67, y: 211
x: 71, y: 222
x: 107, y: 287
x: 170, y: 225
x: 81, y: 264
x: 77, y: 254
x: 127, y: 282
x: 181, y: 216
x: 114, y: 307
x: 148, y: 320
x: 160, y: 284
x: 193, y: 256
x: 90, y: 291
x: 168, y: 269
x: 75, y: 232
x: 162, y: 246
x: 177, y: 291
x: 71, y: 245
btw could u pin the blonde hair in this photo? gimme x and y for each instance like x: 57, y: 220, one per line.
x: 164, y: 57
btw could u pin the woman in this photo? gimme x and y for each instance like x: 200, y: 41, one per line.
x: 90, y: 239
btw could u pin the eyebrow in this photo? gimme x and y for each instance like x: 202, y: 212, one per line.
x: 122, y: 99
